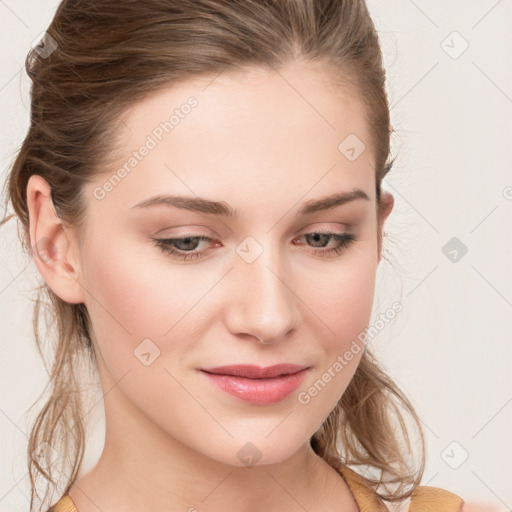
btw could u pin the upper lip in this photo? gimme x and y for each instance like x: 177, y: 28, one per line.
x: 255, y: 372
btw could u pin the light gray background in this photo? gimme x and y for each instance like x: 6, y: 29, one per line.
x: 450, y: 347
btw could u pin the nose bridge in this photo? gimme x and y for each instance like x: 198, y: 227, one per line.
x: 264, y: 305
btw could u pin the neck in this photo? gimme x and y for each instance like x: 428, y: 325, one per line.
x: 143, y: 468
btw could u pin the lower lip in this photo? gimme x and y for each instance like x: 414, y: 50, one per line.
x: 258, y: 391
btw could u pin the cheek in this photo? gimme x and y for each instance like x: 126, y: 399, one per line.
x: 346, y: 311
x: 132, y: 310
x: 126, y: 302
x: 343, y: 300
x: 135, y: 297
x: 342, y: 296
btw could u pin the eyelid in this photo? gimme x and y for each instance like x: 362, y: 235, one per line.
x: 186, y: 231
x: 328, y: 225
x: 325, y: 228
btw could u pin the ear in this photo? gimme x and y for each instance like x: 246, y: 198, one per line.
x: 387, y: 202
x: 51, y: 247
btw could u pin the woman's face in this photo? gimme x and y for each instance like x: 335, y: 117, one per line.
x: 251, y: 161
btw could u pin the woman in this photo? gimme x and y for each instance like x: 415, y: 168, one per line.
x: 200, y: 189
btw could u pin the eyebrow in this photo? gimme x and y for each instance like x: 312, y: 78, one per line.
x: 199, y: 204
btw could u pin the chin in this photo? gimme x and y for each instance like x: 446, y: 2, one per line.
x: 250, y: 451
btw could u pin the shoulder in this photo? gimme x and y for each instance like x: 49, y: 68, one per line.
x: 435, y: 498
x: 427, y: 498
x: 479, y: 506
x: 431, y: 499
x: 422, y: 499
x: 65, y: 504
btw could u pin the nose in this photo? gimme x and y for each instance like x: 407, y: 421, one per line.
x: 262, y: 304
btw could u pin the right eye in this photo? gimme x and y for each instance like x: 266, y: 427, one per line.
x: 188, y: 245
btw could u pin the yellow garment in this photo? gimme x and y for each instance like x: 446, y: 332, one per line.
x: 423, y: 499
x: 65, y: 504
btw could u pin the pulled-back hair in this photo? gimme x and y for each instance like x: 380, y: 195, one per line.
x: 101, y: 57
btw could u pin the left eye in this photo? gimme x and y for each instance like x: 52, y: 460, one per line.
x: 182, y: 248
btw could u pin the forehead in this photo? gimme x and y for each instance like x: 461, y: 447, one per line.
x: 262, y: 133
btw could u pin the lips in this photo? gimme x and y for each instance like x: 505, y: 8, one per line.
x: 255, y: 372
x: 257, y: 385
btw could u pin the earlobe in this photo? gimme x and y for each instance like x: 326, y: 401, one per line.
x: 50, y: 244
x: 388, y: 201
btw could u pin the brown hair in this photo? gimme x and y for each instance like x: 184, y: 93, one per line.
x: 102, y: 57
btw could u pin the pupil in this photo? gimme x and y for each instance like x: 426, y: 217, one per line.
x: 317, y: 237
x: 187, y: 241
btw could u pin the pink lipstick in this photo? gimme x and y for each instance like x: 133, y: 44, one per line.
x: 255, y: 384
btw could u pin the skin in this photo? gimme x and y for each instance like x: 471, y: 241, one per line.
x: 264, y: 143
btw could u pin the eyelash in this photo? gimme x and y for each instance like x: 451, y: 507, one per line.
x: 344, y: 240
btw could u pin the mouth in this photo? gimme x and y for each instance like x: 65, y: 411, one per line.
x: 255, y: 372
x: 257, y: 385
